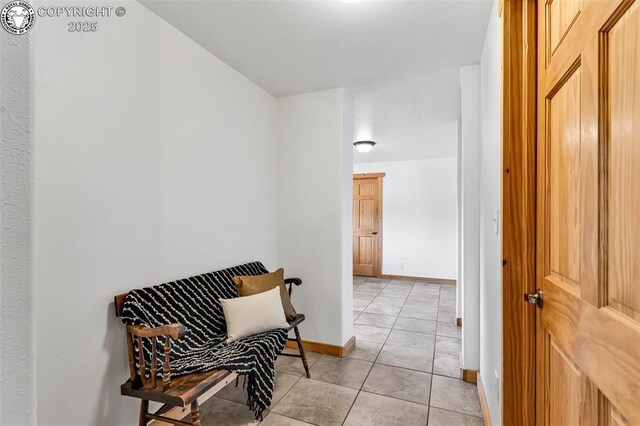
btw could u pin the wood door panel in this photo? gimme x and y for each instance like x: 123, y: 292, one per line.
x: 564, y: 390
x: 588, y: 220
x: 356, y: 250
x: 623, y: 69
x: 564, y: 180
x: 571, y: 395
x: 595, y: 14
x: 366, y: 250
x: 600, y: 342
x: 354, y: 211
x: 367, y: 214
x: 613, y: 417
x: 367, y: 188
x: 364, y: 263
x: 561, y: 14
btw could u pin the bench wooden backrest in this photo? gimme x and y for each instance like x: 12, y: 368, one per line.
x: 138, y: 333
x: 118, y: 301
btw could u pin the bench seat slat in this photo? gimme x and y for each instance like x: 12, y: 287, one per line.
x: 183, y: 390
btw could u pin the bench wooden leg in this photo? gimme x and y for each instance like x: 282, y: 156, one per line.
x: 144, y: 408
x: 301, y: 349
x: 195, y: 413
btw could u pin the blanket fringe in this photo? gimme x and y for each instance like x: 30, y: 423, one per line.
x: 252, y: 402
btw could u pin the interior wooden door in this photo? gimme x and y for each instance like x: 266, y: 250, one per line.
x: 367, y: 224
x: 588, y: 227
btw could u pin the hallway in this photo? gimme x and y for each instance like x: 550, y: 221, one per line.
x: 407, y: 329
x: 403, y: 371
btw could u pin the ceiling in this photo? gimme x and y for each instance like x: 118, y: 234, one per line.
x: 291, y: 47
x: 399, y: 60
x: 409, y: 120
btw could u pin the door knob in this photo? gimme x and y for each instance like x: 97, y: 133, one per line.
x: 375, y: 232
x: 535, y: 298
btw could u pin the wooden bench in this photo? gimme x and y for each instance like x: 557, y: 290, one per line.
x: 180, y: 391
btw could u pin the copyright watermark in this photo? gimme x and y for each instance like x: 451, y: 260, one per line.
x: 18, y: 17
x: 78, y: 14
x: 79, y: 11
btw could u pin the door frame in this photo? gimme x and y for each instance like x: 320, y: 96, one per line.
x: 519, y: 100
x: 377, y: 261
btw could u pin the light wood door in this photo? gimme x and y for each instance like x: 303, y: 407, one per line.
x: 588, y: 232
x: 367, y: 224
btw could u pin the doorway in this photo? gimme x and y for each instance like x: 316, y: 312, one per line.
x: 574, y: 349
x: 367, y: 224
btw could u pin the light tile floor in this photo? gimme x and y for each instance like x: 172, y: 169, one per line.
x: 404, y: 370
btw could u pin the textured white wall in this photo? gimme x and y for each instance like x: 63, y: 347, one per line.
x: 17, y: 293
x: 459, y: 256
x: 346, y: 208
x: 470, y: 84
x: 418, y: 216
x: 154, y: 161
x: 490, y: 194
x: 314, y: 209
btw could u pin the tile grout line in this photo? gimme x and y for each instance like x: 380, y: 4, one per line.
x: 413, y: 369
x: 433, y: 358
x: 458, y: 412
x: 386, y: 315
x: 368, y: 373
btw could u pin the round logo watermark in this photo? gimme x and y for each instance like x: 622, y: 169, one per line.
x: 17, y: 17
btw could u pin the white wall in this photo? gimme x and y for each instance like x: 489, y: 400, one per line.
x: 490, y: 194
x: 345, y: 161
x: 314, y: 209
x: 154, y: 161
x: 470, y: 88
x: 459, y: 263
x: 17, y: 292
x: 418, y: 216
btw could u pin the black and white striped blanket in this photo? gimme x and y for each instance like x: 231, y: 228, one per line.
x: 193, y: 302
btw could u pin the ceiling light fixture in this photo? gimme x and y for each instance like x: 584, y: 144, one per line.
x: 364, y: 146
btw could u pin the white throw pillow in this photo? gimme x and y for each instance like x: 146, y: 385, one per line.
x: 253, y: 314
